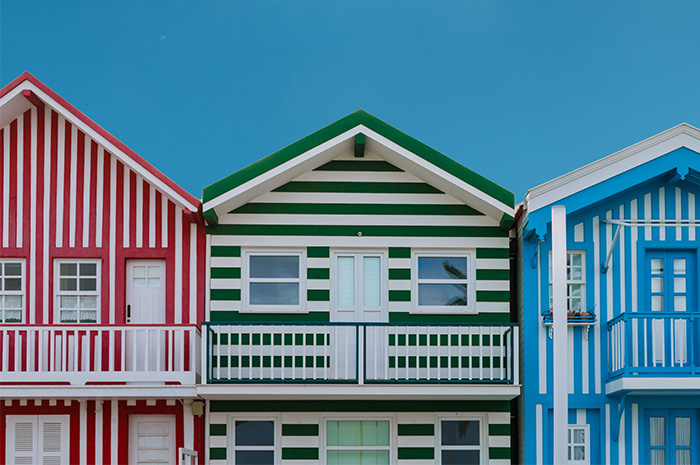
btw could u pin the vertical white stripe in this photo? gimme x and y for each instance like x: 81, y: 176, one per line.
x: 152, y: 217
x: 580, y: 416
x: 164, y: 222
x: 621, y: 439
x: 691, y: 216
x: 127, y: 208
x: 596, y: 296
x: 570, y: 367
x: 47, y: 199
x: 99, y: 196
x: 188, y: 424
x: 193, y: 273
x: 647, y: 216
x: 86, y: 193
x: 207, y: 274
x: 178, y: 265
x: 635, y: 433
x: 112, y: 234
x: 611, y: 268
x: 585, y: 343
x: 98, y: 430
x: 32, y: 216
x: 73, y: 188
x: 61, y: 162
x: 634, y: 233
x: 541, y: 330
x: 607, y: 435
x: 20, y: 179
x: 6, y: 189
x: 662, y: 212
x: 539, y: 446
x: 623, y: 263
x: 83, y: 432
x: 114, y: 446
x: 679, y: 213
x: 139, y: 211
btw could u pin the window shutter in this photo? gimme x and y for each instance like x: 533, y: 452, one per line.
x: 21, y: 430
x: 54, y: 439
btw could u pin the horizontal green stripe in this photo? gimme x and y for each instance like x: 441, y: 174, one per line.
x: 399, y: 296
x: 355, y: 209
x: 225, y: 272
x: 499, y: 453
x: 299, y: 453
x: 343, y: 230
x: 416, y: 453
x: 318, y: 295
x: 499, y: 430
x: 299, y: 430
x: 231, y: 315
x: 225, y: 294
x: 427, y: 429
x: 225, y: 251
x: 405, y: 317
x: 350, y: 165
x: 318, y: 273
x: 217, y: 430
x: 493, y: 275
x: 399, y: 273
x: 359, y: 187
x: 217, y: 453
x: 492, y: 296
x: 316, y: 405
x: 399, y: 252
x: 318, y: 252
x: 492, y: 253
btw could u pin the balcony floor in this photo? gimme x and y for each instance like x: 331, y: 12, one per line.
x: 676, y: 385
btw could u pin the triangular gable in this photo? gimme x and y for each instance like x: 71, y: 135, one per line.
x: 27, y: 90
x: 380, y: 138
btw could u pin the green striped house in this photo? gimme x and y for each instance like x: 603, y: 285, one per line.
x: 358, y: 306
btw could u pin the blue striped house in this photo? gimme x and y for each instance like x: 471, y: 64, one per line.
x: 632, y: 305
x: 358, y: 306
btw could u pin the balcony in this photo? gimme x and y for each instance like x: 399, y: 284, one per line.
x: 85, y: 355
x: 359, y: 354
x: 653, y: 352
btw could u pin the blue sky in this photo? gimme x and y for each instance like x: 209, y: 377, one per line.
x: 520, y: 92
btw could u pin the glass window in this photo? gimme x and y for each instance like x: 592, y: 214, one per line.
x: 11, y: 291
x: 444, y: 282
x: 578, y: 444
x: 273, y: 280
x: 460, y: 442
x: 358, y: 441
x: 78, y: 291
x: 575, y: 281
x: 670, y: 275
x: 253, y: 442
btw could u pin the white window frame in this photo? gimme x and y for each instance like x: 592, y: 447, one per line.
x: 22, y: 292
x: 586, y: 444
x: 470, y: 281
x: 58, y: 293
x: 231, y: 436
x: 37, y: 452
x: 483, y: 437
x: 393, y: 434
x: 247, y: 307
x: 569, y: 282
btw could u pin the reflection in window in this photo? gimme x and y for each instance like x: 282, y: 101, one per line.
x: 254, y: 442
x: 274, y: 280
x: 443, y: 281
x: 460, y: 442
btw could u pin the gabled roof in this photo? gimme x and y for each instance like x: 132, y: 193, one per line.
x: 26, y: 90
x: 653, y: 148
x: 382, y: 139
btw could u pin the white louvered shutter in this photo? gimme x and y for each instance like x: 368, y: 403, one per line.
x: 54, y: 439
x: 21, y: 439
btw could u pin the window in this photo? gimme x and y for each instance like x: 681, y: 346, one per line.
x: 578, y: 445
x: 38, y: 439
x: 670, y: 272
x: 11, y: 291
x: 273, y: 281
x: 575, y: 281
x: 253, y: 441
x: 358, y: 441
x: 78, y: 290
x: 444, y: 283
x: 461, y: 441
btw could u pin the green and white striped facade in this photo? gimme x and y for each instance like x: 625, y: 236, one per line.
x: 358, y: 186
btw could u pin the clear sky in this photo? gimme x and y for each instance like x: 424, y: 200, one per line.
x: 520, y: 92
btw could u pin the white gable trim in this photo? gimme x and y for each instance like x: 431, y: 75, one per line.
x: 683, y: 135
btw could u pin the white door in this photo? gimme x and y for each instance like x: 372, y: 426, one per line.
x: 152, y: 439
x: 145, y: 305
x: 41, y: 439
x: 359, y: 284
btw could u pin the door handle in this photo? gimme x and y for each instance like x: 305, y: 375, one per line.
x: 128, y: 313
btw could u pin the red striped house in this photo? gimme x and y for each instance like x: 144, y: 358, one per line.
x: 101, y: 291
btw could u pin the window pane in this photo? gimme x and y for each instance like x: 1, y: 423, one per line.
x: 442, y: 267
x: 657, y: 284
x: 255, y: 457
x: 679, y: 303
x: 683, y: 431
x: 579, y: 453
x: 579, y: 436
x: 357, y: 433
x: 346, y: 280
x: 657, y: 431
x: 88, y: 302
x: 13, y: 301
x: 269, y: 266
x: 139, y: 282
x: 88, y: 316
x: 139, y: 271
x: 679, y: 285
x: 255, y: 433
x: 679, y: 266
x: 13, y: 269
x: 657, y: 303
x: 68, y: 284
x: 153, y: 271
x: 13, y: 316
x: 683, y: 457
x: 371, y: 281
x: 89, y: 284
x: 274, y: 293
x: 88, y: 269
x: 460, y: 433
x: 154, y: 282
x: 69, y: 316
x: 13, y: 284
x: 658, y: 457
x: 460, y: 457
x: 69, y: 269
x: 657, y: 265
x: 576, y: 259
x: 442, y: 294
x: 69, y: 301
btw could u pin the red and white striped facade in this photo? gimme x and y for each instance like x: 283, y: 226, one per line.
x: 70, y: 190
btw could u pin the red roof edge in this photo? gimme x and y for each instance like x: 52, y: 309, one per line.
x: 27, y: 76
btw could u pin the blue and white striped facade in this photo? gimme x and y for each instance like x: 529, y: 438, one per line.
x: 633, y: 361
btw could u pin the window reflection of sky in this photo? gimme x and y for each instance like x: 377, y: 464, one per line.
x: 434, y: 267
x: 268, y: 266
x: 274, y: 293
x: 442, y: 294
x: 255, y: 433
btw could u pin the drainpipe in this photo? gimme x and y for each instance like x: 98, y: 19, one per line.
x: 560, y: 355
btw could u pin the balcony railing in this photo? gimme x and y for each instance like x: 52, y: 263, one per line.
x: 84, y: 354
x: 653, y: 344
x: 361, y: 353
